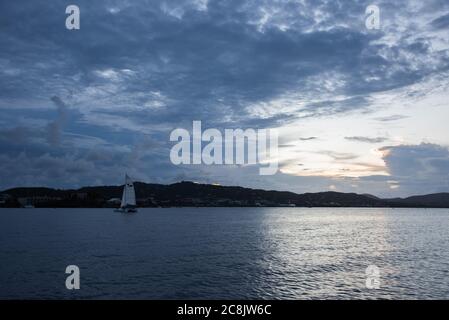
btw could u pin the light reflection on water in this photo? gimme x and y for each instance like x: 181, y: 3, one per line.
x: 230, y: 253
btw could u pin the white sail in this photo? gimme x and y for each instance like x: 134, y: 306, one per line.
x: 129, y: 195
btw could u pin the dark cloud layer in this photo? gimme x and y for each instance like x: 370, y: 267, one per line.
x: 414, y: 167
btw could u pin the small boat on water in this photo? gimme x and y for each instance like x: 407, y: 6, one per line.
x: 128, y: 204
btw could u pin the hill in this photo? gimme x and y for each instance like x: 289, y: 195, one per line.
x: 204, y: 195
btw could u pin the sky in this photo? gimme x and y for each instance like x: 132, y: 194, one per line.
x: 357, y: 109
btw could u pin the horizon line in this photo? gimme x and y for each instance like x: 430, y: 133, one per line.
x: 220, y: 185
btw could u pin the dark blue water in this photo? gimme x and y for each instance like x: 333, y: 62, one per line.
x: 249, y: 253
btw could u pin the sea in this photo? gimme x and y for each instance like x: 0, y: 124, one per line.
x: 225, y: 253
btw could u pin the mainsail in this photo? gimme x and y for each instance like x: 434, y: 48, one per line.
x: 129, y: 195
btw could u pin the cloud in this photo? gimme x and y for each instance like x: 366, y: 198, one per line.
x: 416, y: 160
x: 366, y: 139
x: 441, y: 22
x: 418, y: 168
x: 178, y: 58
x: 339, y: 155
x: 16, y: 135
x: 393, y: 117
x: 286, y: 145
x: 308, y: 138
x: 54, y: 128
x: 136, y: 71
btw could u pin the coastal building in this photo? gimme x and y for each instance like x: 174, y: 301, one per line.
x: 4, y: 197
x: 114, y: 201
x: 36, y: 200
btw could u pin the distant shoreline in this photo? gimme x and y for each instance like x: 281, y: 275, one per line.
x: 178, y: 207
x: 195, y: 195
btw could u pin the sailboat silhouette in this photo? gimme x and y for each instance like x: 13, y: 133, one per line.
x: 128, y: 204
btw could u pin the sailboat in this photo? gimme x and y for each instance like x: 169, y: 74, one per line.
x: 128, y: 204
